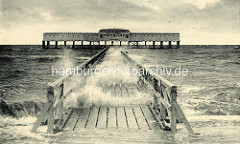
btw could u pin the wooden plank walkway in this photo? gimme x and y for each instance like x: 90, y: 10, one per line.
x: 129, y: 121
x: 111, y: 117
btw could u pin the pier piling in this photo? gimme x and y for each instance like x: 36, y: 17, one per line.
x: 56, y: 44
x: 73, y: 46
x: 178, y: 44
x: 43, y: 44
x: 170, y: 44
x: 48, y: 43
x: 161, y: 44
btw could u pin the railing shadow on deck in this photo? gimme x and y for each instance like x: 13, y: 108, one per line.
x: 53, y: 112
x: 164, y: 107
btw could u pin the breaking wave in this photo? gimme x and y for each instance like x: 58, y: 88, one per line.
x: 97, y: 90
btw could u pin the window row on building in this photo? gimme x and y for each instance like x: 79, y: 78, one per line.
x: 114, y: 35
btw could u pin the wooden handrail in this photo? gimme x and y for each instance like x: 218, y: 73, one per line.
x: 164, y: 81
x: 165, y: 106
x: 54, y: 108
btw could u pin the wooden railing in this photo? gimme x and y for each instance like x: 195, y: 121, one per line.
x: 53, y: 111
x: 164, y: 106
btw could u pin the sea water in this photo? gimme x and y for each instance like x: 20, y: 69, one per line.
x: 207, y: 94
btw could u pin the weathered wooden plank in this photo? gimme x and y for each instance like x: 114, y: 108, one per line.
x: 153, y: 123
x: 73, y: 119
x: 111, y: 117
x: 131, y: 121
x: 143, y: 123
x: 83, y: 117
x: 102, y: 118
x: 121, y: 118
x: 92, y: 118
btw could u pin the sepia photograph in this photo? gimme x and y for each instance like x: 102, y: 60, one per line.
x: 119, y: 71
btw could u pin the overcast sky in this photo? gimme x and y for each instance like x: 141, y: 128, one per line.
x: 197, y: 21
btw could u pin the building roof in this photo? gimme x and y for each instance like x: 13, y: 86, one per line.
x: 114, y: 30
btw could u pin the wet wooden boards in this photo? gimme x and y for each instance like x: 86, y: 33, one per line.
x: 111, y: 117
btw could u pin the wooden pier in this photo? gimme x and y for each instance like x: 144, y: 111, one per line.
x: 162, y: 113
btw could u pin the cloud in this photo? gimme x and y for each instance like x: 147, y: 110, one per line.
x: 208, y: 16
x: 201, y: 4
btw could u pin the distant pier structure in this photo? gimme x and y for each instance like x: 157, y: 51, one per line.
x: 111, y: 37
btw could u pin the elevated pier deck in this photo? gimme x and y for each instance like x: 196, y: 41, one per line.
x: 136, y: 110
x: 111, y: 37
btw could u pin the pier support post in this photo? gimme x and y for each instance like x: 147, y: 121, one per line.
x: 120, y: 43
x: 90, y: 43
x: 170, y: 44
x: 112, y: 43
x: 153, y: 44
x: 73, y: 46
x: 137, y: 43
x: 65, y: 43
x: 128, y: 43
x: 43, y: 44
x: 99, y: 43
x: 145, y: 43
x: 82, y: 44
x: 105, y: 43
x: 56, y: 44
x: 161, y: 44
x: 178, y: 44
x: 48, y: 43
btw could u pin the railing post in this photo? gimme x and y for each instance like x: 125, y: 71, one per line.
x: 162, y: 107
x: 61, y: 104
x: 155, y: 99
x: 173, y: 95
x: 50, y: 97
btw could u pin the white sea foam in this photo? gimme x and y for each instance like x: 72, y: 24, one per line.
x: 20, y: 129
x: 92, y: 92
x: 186, y: 89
